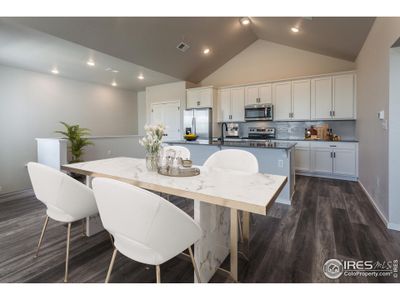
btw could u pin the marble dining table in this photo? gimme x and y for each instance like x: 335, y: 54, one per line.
x: 218, y: 195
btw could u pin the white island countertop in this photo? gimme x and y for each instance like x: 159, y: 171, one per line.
x: 243, y: 191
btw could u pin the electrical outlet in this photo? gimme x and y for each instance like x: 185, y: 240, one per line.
x: 109, y: 152
x: 280, y: 163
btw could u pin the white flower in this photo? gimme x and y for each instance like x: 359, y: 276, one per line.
x: 152, y: 141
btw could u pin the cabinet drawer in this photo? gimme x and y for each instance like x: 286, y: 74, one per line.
x: 335, y: 145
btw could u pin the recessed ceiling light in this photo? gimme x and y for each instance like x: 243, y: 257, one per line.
x: 54, y: 71
x: 294, y: 29
x: 113, y: 83
x: 115, y: 71
x: 206, y: 50
x: 245, y: 21
x: 141, y: 77
x: 91, y: 63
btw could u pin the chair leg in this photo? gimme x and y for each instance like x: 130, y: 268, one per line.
x: 196, y: 271
x: 67, y: 253
x: 83, y: 227
x: 240, y: 227
x: 111, y: 239
x: 111, y: 265
x: 42, y: 235
x: 158, y: 274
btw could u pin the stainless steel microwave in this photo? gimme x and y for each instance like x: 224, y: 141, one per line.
x: 258, y: 112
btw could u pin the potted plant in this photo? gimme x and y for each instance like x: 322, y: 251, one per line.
x: 152, y: 143
x: 77, y: 137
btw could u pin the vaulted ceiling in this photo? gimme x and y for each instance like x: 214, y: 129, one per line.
x: 151, y: 41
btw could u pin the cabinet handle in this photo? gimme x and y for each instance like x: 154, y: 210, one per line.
x: 330, y: 113
x: 331, y: 155
x: 198, y: 103
x: 334, y: 154
x: 333, y: 113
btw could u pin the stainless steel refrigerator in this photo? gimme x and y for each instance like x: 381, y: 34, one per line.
x: 198, y: 121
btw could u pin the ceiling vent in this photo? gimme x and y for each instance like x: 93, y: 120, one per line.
x: 183, y: 47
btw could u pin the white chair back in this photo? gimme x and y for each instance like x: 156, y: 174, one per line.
x: 67, y: 199
x: 181, y: 151
x: 143, y: 220
x: 233, y: 159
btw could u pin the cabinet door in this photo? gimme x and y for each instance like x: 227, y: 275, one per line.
x: 237, y: 105
x: 302, y: 159
x: 321, y: 94
x: 205, y: 98
x: 343, y: 96
x: 251, y: 95
x: 224, y: 105
x: 192, y: 98
x: 344, y: 162
x: 301, y: 100
x: 322, y: 160
x: 282, y: 101
x: 265, y: 93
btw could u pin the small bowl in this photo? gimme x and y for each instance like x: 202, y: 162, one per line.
x: 190, y: 137
x: 187, y: 163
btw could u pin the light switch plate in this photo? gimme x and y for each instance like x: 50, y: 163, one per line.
x: 381, y: 115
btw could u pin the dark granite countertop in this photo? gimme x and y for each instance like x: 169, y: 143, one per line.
x: 239, y: 143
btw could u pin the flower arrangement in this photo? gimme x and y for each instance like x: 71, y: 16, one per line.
x: 152, y: 143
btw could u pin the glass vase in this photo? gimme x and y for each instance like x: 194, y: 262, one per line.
x: 152, y: 162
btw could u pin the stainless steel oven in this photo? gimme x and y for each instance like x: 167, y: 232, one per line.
x: 258, y: 112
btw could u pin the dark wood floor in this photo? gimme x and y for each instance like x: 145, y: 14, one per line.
x: 328, y: 219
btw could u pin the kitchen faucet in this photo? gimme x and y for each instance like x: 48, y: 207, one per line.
x: 222, y: 131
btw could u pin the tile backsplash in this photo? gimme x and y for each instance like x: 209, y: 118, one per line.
x: 295, y: 130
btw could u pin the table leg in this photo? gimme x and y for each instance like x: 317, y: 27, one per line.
x: 234, y: 244
x: 246, y: 233
x: 213, y: 247
x: 93, y: 223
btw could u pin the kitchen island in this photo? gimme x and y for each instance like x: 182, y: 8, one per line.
x: 273, y: 158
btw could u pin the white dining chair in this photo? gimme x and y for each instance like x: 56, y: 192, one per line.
x: 180, y: 151
x: 237, y: 160
x: 67, y: 200
x: 146, y: 228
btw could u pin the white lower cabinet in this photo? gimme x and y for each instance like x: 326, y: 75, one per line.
x: 327, y: 159
x: 334, y: 158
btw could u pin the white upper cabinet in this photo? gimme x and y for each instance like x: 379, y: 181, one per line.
x: 237, y: 105
x: 258, y: 94
x: 343, y: 96
x: 333, y: 97
x: 224, y: 105
x: 199, y: 97
x: 282, y: 95
x: 292, y: 100
x: 321, y: 98
x: 301, y: 91
x: 231, y: 105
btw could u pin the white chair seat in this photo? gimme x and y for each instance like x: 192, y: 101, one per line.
x: 145, y: 227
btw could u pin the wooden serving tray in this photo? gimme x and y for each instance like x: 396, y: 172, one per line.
x: 179, y: 172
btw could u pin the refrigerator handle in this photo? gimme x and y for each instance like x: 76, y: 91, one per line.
x: 194, y: 124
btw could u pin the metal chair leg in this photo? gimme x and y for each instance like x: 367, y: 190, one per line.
x: 111, y: 239
x: 42, y: 235
x: 196, y: 271
x: 240, y: 227
x: 158, y: 274
x: 67, y: 253
x: 83, y: 227
x: 111, y: 265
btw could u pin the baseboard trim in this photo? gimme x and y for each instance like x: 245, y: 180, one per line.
x: 388, y: 224
x: 314, y: 174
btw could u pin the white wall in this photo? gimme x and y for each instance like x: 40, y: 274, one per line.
x: 263, y: 61
x: 394, y: 138
x: 373, y: 96
x: 142, y: 111
x: 32, y: 104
